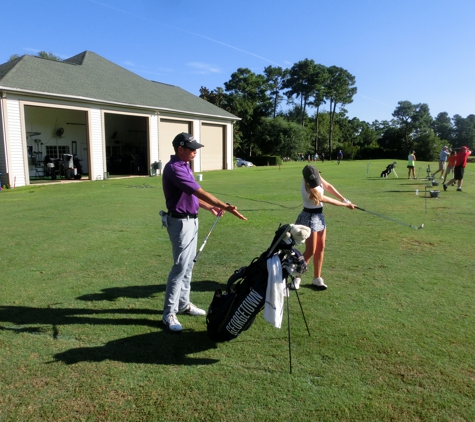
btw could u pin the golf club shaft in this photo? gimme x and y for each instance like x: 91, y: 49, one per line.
x: 391, y: 219
x: 206, y: 238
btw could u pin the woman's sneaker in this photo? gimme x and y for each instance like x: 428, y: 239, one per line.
x: 171, y: 322
x: 319, y: 284
x: 295, y: 285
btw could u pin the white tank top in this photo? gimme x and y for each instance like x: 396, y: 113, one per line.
x: 307, y: 202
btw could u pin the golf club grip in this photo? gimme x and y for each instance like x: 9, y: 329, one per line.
x: 206, y: 238
x: 200, y: 250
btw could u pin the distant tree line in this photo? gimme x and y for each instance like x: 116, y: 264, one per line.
x: 42, y: 54
x: 304, y: 128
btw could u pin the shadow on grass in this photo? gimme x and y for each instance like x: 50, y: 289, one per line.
x: 134, y: 292
x: 160, y: 348
x: 22, y: 315
x: 141, y: 292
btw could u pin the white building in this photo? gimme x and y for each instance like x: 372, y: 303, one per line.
x: 115, y: 121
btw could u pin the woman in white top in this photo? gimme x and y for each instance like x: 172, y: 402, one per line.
x: 313, y: 188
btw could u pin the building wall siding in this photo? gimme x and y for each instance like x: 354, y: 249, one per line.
x: 153, y: 138
x: 96, y: 144
x: 229, y: 147
x: 15, y: 144
x: 3, y: 149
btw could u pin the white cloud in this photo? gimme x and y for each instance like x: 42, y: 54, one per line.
x: 204, y: 68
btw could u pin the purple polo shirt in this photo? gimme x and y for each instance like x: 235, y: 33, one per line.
x: 178, y: 186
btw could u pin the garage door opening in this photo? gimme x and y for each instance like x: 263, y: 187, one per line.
x: 56, y: 143
x: 126, y: 144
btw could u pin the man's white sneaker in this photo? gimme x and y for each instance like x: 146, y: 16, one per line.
x: 319, y: 284
x: 171, y: 322
x: 192, y: 310
x: 295, y: 285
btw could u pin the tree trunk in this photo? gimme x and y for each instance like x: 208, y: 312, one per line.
x: 316, y: 132
x: 330, y: 137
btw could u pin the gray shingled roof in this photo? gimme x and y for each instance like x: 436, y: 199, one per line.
x: 88, y: 75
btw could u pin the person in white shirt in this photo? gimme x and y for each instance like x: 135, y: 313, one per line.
x: 312, y: 189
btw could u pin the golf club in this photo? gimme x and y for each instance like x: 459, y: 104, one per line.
x: 392, y: 219
x: 206, y: 239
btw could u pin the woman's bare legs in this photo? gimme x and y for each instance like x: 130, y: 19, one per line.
x: 315, y: 246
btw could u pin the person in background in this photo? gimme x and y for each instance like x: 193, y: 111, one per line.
x: 183, y: 197
x: 312, y: 189
x: 459, y: 169
x: 450, y: 164
x: 323, y: 157
x: 339, y: 156
x: 443, y: 156
x: 411, y: 161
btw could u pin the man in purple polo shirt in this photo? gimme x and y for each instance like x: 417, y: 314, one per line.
x: 183, y: 198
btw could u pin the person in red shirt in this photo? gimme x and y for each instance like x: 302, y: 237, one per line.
x: 460, y: 163
x: 450, y: 164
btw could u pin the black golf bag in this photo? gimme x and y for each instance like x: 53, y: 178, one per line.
x: 78, y: 166
x: 234, y: 310
x: 388, y: 170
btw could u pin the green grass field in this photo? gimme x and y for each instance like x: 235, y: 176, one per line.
x: 83, y: 272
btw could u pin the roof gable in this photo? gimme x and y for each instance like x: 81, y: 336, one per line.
x: 90, y: 76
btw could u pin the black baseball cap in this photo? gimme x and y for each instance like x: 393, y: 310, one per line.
x: 311, y: 176
x: 186, y: 140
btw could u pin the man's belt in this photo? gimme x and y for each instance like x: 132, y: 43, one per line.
x: 182, y: 215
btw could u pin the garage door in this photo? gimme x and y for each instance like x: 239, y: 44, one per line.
x: 212, y: 155
x: 167, y: 131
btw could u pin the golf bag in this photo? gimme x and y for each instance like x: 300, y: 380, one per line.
x: 233, y: 311
x: 77, y: 164
x: 389, y: 169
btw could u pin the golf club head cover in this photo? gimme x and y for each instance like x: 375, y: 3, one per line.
x: 299, y: 233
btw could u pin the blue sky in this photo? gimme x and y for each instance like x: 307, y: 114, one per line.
x: 416, y: 50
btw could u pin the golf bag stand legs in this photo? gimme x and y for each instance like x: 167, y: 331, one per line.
x: 303, y: 314
x: 288, y: 329
x: 288, y: 322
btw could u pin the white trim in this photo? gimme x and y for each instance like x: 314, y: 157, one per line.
x: 96, y: 147
x: 153, y: 138
x: 15, y: 144
x: 96, y: 101
x: 4, y: 134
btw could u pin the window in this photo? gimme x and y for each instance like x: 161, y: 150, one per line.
x: 113, y: 151
x: 57, y: 151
